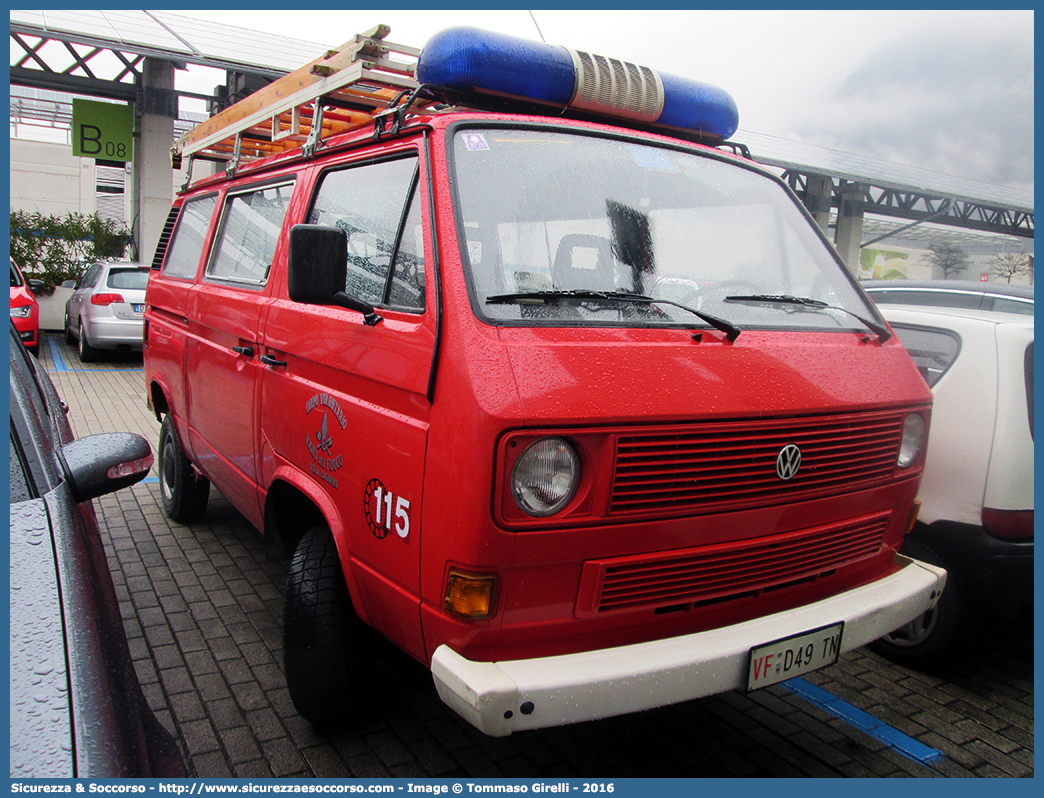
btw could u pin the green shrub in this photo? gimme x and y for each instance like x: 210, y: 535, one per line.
x: 57, y: 248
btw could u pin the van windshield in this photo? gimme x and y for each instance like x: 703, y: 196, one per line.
x: 566, y: 229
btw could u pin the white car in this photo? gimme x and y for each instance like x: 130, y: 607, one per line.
x: 976, y: 516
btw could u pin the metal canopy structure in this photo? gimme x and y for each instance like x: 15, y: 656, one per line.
x: 896, y: 190
x: 101, y: 53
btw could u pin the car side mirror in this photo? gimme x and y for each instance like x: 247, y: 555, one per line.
x: 36, y: 286
x: 318, y: 269
x: 101, y: 464
x: 318, y: 263
x: 69, y: 284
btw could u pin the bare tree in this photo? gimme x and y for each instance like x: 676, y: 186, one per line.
x: 1008, y: 265
x: 951, y: 260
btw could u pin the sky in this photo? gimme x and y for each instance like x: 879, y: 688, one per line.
x: 946, y: 90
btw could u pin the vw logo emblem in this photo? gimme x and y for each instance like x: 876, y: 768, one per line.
x: 788, y: 461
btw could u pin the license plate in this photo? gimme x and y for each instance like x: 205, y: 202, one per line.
x: 138, y: 308
x: 794, y: 656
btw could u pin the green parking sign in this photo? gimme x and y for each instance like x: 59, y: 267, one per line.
x: 102, y: 130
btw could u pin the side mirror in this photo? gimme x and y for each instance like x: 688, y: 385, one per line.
x: 318, y: 263
x: 318, y: 269
x: 68, y: 284
x: 36, y: 286
x: 101, y: 464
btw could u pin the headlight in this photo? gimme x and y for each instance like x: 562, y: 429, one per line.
x: 21, y: 312
x: 914, y: 432
x: 545, y: 477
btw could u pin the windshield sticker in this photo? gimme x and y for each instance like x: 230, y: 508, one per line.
x: 378, y: 504
x: 652, y: 158
x: 320, y: 443
x: 475, y: 141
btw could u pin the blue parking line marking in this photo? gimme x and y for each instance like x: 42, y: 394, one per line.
x: 60, y: 364
x: 56, y: 354
x: 864, y: 721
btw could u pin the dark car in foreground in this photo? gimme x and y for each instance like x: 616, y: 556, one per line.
x: 77, y: 709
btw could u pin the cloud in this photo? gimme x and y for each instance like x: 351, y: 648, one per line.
x: 959, y: 104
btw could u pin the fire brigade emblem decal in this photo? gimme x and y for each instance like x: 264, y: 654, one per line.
x: 320, y: 442
x: 788, y: 461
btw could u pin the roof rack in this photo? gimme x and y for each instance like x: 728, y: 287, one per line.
x: 343, y: 89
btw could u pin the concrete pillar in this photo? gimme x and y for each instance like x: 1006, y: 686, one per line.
x: 152, y: 185
x: 818, y: 194
x: 849, y: 233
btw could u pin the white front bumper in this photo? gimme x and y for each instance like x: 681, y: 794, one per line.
x: 499, y: 698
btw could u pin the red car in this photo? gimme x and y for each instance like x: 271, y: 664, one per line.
x: 25, y: 311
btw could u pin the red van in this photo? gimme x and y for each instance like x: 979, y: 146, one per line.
x: 549, y: 385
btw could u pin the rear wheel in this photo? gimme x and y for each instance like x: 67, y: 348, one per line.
x: 86, y: 352
x: 931, y: 636
x: 184, y: 492
x: 323, y: 638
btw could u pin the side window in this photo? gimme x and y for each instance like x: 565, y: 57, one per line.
x: 1028, y: 368
x: 377, y: 207
x: 186, y: 244
x: 90, y: 277
x: 246, y: 240
x: 933, y: 351
x: 406, y: 289
x: 1005, y: 305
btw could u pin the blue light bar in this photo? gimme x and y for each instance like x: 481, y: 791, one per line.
x: 469, y: 59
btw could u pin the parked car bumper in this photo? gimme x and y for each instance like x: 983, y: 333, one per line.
x: 994, y: 563
x: 115, y: 333
x: 502, y: 697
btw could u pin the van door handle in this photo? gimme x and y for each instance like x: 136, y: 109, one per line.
x: 247, y: 351
x: 268, y: 360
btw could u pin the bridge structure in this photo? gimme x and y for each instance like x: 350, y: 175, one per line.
x: 131, y: 57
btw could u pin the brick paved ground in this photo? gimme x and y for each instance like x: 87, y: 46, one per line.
x: 203, y: 610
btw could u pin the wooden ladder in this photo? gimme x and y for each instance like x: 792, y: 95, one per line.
x: 354, y: 82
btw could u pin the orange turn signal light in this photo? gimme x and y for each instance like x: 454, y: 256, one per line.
x: 911, y: 519
x: 470, y: 595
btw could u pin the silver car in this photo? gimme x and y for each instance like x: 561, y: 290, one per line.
x: 107, y: 308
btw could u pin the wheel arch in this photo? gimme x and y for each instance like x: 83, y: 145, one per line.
x: 157, y: 400
x: 293, y: 505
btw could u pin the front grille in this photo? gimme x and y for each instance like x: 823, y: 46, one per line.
x: 726, y: 571
x: 719, y: 466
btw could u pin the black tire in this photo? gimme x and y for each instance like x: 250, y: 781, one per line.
x: 929, y: 639
x: 323, y: 638
x: 87, y: 353
x: 70, y: 339
x: 184, y: 492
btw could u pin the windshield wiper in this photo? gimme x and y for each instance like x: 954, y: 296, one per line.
x: 782, y: 299
x: 581, y: 295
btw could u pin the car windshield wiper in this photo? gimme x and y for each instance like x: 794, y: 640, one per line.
x: 782, y: 299
x: 731, y: 330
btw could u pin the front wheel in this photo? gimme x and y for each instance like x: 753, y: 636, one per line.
x: 927, y: 639
x: 184, y: 492
x: 323, y: 638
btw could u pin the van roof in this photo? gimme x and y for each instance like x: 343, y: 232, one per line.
x: 369, y: 81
